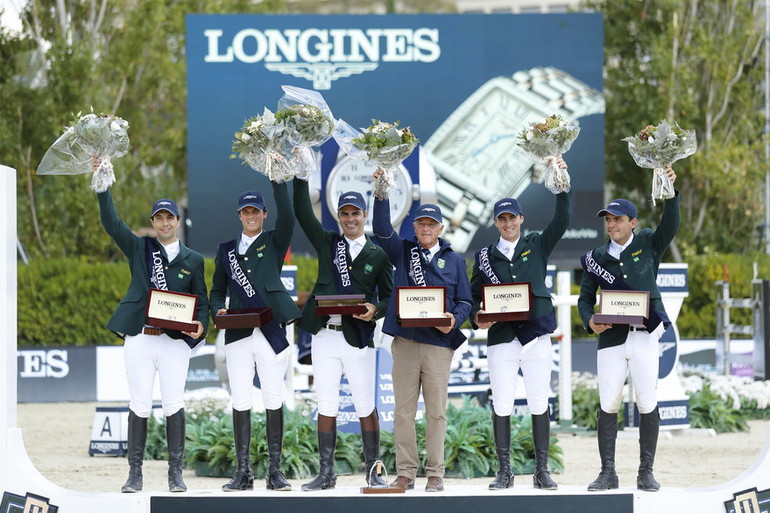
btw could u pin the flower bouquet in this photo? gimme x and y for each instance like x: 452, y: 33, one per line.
x: 89, y: 136
x: 305, y: 113
x: 266, y: 146
x: 309, y: 122
x: 545, y: 140
x: 657, y: 147
x: 384, y: 144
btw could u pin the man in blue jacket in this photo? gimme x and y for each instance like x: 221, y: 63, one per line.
x: 422, y: 356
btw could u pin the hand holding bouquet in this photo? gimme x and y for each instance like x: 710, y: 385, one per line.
x: 266, y: 146
x: 546, y: 140
x: 657, y: 147
x: 384, y: 144
x: 89, y: 137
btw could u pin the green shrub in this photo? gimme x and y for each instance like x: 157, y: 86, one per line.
x: 585, y: 403
x: 709, y: 410
x: 469, y: 446
x: 698, y: 316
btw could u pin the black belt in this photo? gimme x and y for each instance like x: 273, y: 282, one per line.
x: 334, y: 327
x: 637, y: 328
x: 153, y: 331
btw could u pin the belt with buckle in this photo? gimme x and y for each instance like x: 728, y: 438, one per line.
x: 637, y: 328
x: 334, y: 327
x: 152, y: 331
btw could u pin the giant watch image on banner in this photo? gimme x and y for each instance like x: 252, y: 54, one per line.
x: 465, y: 84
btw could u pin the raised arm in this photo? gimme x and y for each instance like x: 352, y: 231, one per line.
x: 303, y: 210
x: 668, y: 226
x: 114, y: 225
x: 384, y: 234
x: 562, y: 215
x: 284, y: 224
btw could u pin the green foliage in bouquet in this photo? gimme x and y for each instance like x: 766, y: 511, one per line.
x: 555, y: 128
x: 386, y: 142
x: 96, y: 130
x: 251, y: 135
x: 310, y: 122
x: 709, y: 410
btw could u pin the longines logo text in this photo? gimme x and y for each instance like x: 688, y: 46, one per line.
x: 43, y: 364
x: 322, y: 56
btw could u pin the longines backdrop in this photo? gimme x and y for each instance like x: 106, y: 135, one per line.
x: 466, y: 84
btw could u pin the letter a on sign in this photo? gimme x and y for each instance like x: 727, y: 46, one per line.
x: 106, y: 427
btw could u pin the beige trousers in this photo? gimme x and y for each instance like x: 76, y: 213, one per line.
x: 415, y: 366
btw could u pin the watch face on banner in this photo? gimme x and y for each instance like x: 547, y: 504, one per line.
x: 356, y: 175
x: 480, y: 143
x: 476, y: 147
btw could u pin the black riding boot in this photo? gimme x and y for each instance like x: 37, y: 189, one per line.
x: 275, y: 478
x: 607, y: 432
x: 327, y: 441
x: 243, y: 478
x: 541, y: 432
x: 649, y: 426
x: 137, y: 438
x: 501, y: 427
x: 175, y: 429
x: 370, y: 438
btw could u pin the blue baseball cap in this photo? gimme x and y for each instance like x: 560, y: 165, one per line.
x: 352, y: 198
x: 429, y: 210
x: 251, y: 199
x: 165, y: 204
x: 507, y: 205
x: 619, y: 207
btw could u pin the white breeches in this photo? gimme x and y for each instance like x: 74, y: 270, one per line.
x: 535, y: 360
x: 146, y: 355
x: 332, y: 356
x: 639, y: 357
x: 253, y: 354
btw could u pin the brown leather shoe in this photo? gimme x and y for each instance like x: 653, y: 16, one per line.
x: 435, y: 484
x: 404, y: 483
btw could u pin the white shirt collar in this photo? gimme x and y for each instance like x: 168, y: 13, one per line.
x: 355, y: 245
x: 360, y: 240
x: 172, y: 250
x: 507, y: 248
x: 433, y: 250
x: 246, y: 241
x: 616, y: 249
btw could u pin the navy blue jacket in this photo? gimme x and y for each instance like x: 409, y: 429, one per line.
x: 446, y: 269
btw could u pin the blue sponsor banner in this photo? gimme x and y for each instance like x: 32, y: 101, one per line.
x: 672, y: 278
x: 465, y: 84
x: 672, y: 413
x: 289, y: 280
